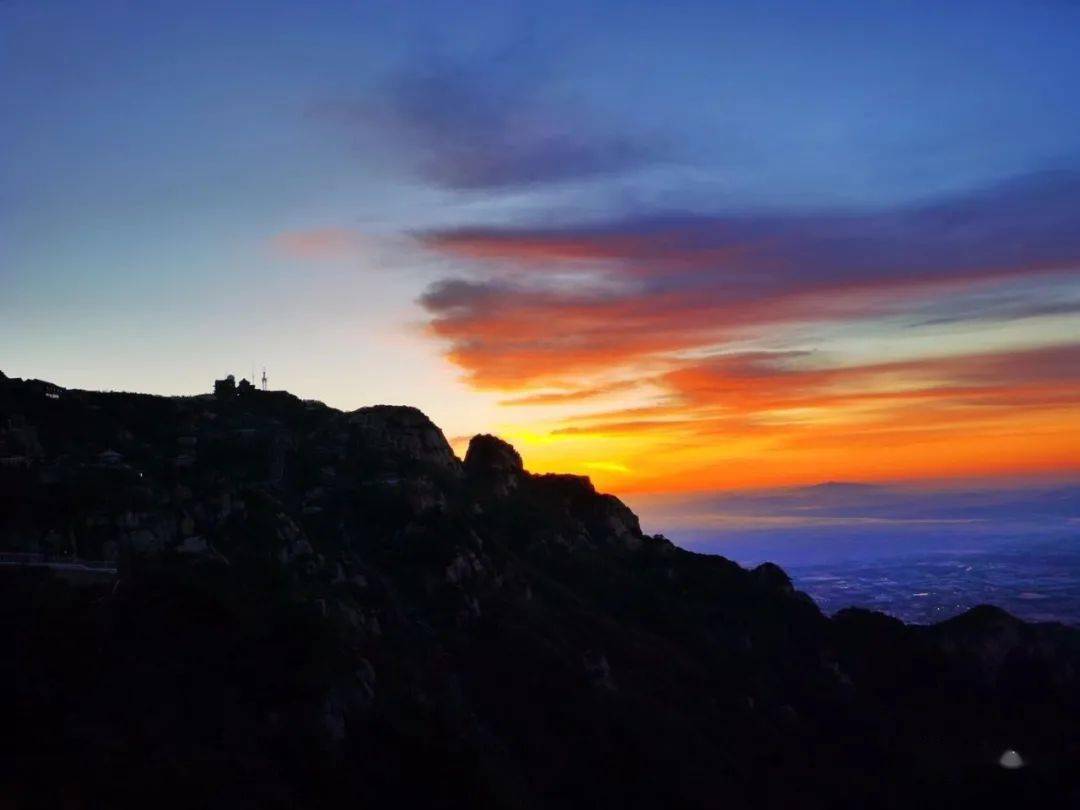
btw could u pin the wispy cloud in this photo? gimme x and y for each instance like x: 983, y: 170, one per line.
x: 773, y: 392
x: 1004, y: 309
x: 573, y: 394
x: 486, y: 124
x: 645, y: 287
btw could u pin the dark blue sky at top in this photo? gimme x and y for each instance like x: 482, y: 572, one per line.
x: 791, y: 104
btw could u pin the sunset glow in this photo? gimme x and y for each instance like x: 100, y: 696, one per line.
x: 673, y: 276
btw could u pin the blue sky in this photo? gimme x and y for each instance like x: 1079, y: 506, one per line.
x: 597, y: 208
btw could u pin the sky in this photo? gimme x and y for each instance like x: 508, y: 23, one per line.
x: 682, y: 248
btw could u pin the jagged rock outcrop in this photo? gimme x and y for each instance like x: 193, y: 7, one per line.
x: 312, y: 608
x: 494, y: 464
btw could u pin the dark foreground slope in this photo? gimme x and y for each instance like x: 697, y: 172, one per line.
x: 315, y: 609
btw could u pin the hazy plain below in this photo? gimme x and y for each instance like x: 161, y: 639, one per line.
x: 920, y: 553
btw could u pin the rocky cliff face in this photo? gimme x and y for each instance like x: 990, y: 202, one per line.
x: 494, y: 465
x: 316, y: 608
x: 400, y: 435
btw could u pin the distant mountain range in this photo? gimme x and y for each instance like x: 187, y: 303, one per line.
x: 294, y: 606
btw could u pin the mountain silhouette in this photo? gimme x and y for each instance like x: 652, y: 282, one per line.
x: 245, y: 599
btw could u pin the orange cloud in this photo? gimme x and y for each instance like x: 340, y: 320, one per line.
x: 546, y: 313
x: 516, y: 248
x: 575, y: 394
x: 650, y: 286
